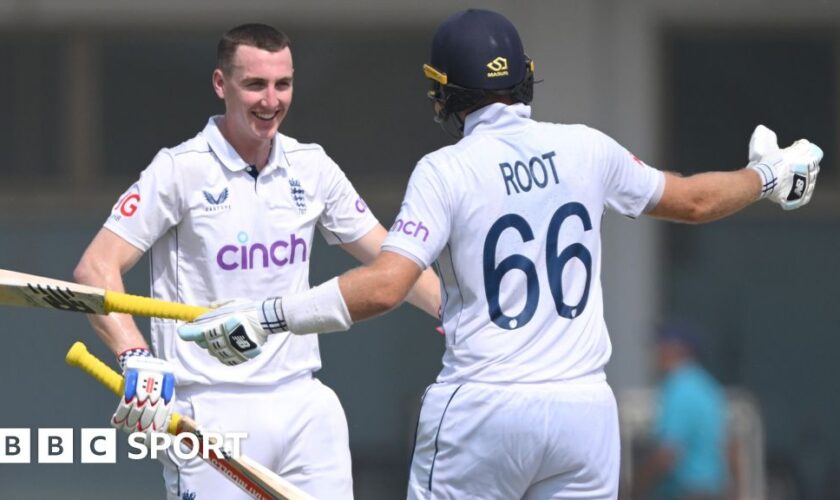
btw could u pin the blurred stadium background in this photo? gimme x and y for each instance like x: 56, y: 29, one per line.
x: 92, y: 89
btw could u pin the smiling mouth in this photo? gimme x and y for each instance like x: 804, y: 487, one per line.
x: 266, y: 116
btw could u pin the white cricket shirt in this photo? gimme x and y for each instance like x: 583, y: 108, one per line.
x: 215, y: 232
x: 512, y: 214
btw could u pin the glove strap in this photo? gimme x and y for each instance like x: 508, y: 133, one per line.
x: 272, y: 317
x: 768, y: 179
x: 130, y: 353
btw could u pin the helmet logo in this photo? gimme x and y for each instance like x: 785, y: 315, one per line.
x: 498, y: 67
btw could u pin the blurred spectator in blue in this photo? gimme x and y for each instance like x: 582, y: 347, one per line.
x: 689, y: 457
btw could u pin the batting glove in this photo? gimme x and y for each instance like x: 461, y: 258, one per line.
x: 788, y: 175
x: 233, y: 334
x: 149, y: 394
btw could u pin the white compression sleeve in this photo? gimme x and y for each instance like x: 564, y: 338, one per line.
x: 318, y: 310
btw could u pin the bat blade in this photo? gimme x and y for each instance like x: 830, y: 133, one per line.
x: 249, y: 475
x: 28, y: 290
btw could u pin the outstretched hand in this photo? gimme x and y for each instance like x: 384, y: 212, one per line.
x: 788, y: 175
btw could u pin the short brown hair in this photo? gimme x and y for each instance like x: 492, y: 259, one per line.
x: 256, y: 35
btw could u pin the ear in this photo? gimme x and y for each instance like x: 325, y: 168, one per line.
x: 219, y: 83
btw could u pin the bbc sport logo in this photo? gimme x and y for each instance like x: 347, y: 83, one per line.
x: 55, y: 446
x: 99, y: 446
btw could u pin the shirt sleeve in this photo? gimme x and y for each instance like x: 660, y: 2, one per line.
x: 150, y: 206
x: 346, y: 216
x: 631, y: 186
x: 423, y: 226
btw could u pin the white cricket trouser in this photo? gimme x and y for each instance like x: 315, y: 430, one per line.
x: 534, y: 441
x: 296, y: 429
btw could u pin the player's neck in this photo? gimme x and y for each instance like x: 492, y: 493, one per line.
x: 252, y: 151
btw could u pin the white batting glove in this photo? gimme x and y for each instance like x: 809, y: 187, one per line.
x: 149, y: 393
x: 788, y: 175
x: 233, y: 334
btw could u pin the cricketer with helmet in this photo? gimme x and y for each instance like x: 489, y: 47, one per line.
x: 512, y: 214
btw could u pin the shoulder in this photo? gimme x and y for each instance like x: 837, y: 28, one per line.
x: 449, y: 158
x: 302, y: 151
x: 581, y: 134
x: 189, y: 160
x: 707, y: 383
x: 444, y: 163
x: 577, y: 133
x: 191, y: 149
x: 693, y: 383
x: 192, y: 152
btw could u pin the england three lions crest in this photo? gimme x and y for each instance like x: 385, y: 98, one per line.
x: 298, y: 195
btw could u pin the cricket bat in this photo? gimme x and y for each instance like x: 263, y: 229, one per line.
x: 27, y: 290
x: 252, y: 477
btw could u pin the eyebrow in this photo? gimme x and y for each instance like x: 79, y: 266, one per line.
x: 256, y: 79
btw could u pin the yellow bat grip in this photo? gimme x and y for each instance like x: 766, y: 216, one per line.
x: 80, y: 357
x: 153, y: 308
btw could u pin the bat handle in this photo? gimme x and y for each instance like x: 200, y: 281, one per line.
x: 145, y: 306
x: 80, y: 357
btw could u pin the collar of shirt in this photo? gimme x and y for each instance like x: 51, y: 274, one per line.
x: 497, y: 117
x: 228, y: 155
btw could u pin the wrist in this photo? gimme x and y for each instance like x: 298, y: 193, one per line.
x: 130, y: 353
x: 318, y: 310
x: 767, y: 177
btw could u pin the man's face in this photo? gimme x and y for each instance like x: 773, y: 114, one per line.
x: 669, y: 354
x: 257, y: 92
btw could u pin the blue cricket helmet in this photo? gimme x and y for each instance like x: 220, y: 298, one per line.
x: 476, y: 53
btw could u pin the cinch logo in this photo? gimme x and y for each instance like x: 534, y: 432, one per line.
x: 262, y: 256
x: 411, y: 228
x: 216, y: 202
x: 361, y: 206
x: 498, y: 67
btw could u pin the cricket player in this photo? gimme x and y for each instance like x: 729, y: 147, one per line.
x: 512, y: 215
x: 231, y: 213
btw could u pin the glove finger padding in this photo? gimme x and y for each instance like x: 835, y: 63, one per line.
x: 762, y: 143
x: 803, y: 160
x: 148, y: 396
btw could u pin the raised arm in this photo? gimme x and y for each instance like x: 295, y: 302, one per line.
x: 424, y: 295
x: 708, y: 196
x: 785, y: 176
x: 102, y: 265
